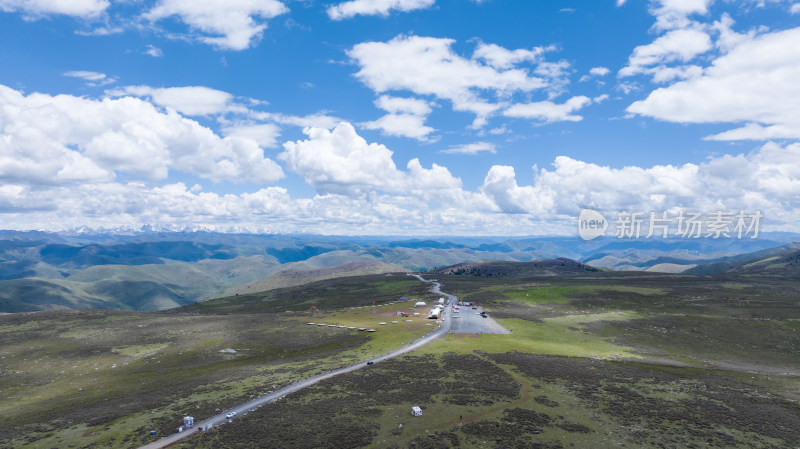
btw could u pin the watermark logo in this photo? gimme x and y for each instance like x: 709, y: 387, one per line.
x: 683, y: 224
x: 591, y: 224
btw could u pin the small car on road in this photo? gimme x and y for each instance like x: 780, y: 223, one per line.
x: 230, y: 415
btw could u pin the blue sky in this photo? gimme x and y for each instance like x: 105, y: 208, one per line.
x: 395, y: 116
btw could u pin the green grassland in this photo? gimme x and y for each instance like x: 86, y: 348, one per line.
x: 518, y: 400
x: 332, y: 293
x: 563, y: 335
x: 112, y: 375
x: 595, y: 359
x: 108, y: 377
x: 292, y: 277
x: 132, y: 287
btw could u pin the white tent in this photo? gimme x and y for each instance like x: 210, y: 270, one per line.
x: 420, y: 304
x: 416, y: 411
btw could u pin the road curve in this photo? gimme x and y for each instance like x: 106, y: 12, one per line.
x: 216, y: 420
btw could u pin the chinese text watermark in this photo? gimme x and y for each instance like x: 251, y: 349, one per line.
x: 683, y: 224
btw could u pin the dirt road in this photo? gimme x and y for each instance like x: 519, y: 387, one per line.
x: 266, y: 399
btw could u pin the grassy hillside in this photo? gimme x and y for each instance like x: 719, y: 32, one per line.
x: 195, y: 266
x: 293, y: 277
x: 132, y: 253
x: 550, y: 267
x: 776, y: 264
x: 599, y: 359
x: 140, y: 287
x: 30, y: 295
x: 331, y: 293
x: 669, y: 268
x: 106, y: 378
x: 595, y: 359
x: 203, y: 280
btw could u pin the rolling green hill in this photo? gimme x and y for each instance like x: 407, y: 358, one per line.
x: 133, y: 287
x: 764, y: 262
x: 293, y: 277
x: 548, y: 267
x: 594, y: 359
x: 32, y: 295
x: 182, y: 267
x: 132, y: 253
x: 329, y: 293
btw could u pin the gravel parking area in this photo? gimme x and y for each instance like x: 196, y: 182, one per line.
x: 470, y: 321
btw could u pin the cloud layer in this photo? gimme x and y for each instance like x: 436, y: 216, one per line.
x: 348, y: 9
x: 428, y: 66
x: 65, y: 173
x: 65, y: 139
x: 118, y: 151
x: 754, y: 83
x: 227, y: 24
x: 38, y: 8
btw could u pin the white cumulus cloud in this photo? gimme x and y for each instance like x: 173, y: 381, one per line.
x: 549, y: 112
x: 402, y: 125
x: 348, y: 9
x: 226, y: 24
x: 429, y: 66
x: 397, y: 105
x: 767, y: 179
x: 471, y: 148
x: 501, y: 186
x: 686, y: 6
x: 674, y: 14
x: 339, y: 161
x: 91, y: 78
x: 64, y: 139
x: 754, y: 83
x: 502, y: 58
x: 406, y: 118
x: 77, y: 8
x: 417, y: 199
x: 316, y: 120
x: 676, y: 45
x: 189, y: 100
x: 154, y: 51
x: 265, y: 134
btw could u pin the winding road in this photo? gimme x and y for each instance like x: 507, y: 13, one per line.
x: 216, y: 420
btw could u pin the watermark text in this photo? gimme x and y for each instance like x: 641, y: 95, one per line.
x: 681, y: 224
